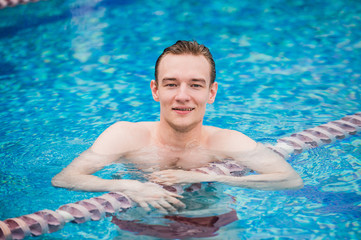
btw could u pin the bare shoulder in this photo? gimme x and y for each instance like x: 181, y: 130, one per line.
x: 122, y: 137
x: 229, y: 140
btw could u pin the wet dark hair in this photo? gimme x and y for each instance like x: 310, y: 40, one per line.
x: 188, y: 47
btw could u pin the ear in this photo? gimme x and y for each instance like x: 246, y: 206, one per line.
x: 213, y: 93
x: 154, y: 88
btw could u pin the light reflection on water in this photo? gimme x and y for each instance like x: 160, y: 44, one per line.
x: 282, y: 67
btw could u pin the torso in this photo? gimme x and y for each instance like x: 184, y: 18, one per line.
x: 138, y: 143
x: 154, y: 156
x: 162, y: 158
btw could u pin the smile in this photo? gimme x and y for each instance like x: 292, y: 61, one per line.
x: 183, y: 109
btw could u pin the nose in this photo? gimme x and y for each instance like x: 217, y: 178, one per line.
x: 182, y: 94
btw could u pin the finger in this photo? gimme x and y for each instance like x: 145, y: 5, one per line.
x: 156, y: 174
x: 174, y: 195
x: 153, y: 178
x: 144, y: 205
x: 176, y: 202
x: 164, y: 173
x: 158, y: 206
x: 165, y: 182
x: 161, y: 178
x: 165, y: 177
x: 167, y: 206
x: 158, y: 181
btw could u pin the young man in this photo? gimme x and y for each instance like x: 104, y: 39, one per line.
x: 184, y: 84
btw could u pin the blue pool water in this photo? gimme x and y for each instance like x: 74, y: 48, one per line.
x: 69, y: 69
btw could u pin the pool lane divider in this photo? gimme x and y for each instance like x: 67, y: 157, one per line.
x: 318, y: 136
x: 13, y: 3
x: 96, y: 208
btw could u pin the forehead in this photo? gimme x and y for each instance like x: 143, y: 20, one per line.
x: 185, y: 65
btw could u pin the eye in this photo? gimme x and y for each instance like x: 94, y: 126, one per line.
x: 171, y: 85
x: 196, y: 85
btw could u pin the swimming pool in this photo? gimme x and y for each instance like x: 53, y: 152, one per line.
x: 69, y: 69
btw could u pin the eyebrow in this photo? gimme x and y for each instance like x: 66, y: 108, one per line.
x: 199, y: 80
x: 169, y: 79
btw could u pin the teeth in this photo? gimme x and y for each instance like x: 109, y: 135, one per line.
x: 184, y: 109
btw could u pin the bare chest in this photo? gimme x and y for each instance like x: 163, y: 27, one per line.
x: 171, y: 159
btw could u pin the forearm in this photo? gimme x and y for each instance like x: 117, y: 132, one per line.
x: 271, y: 181
x: 91, y: 183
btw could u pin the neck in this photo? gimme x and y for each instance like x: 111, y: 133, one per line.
x: 179, y: 139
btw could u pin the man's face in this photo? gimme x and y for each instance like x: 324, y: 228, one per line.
x: 183, y: 90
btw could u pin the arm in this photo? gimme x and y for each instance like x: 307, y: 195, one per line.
x: 78, y: 174
x: 106, y: 150
x: 274, y: 173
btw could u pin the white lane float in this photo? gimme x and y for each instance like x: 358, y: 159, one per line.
x: 93, y: 209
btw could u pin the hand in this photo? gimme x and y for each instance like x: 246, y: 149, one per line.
x: 171, y: 177
x: 151, y: 194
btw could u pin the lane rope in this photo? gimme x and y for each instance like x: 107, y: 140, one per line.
x: 96, y: 208
x: 13, y: 3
